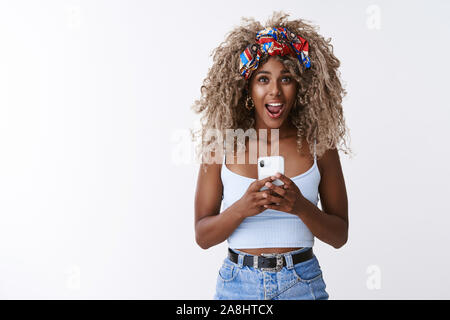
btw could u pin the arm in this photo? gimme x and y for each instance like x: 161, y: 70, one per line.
x: 212, y: 228
x: 331, y: 224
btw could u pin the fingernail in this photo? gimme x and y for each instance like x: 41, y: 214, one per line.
x: 278, y: 175
x: 268, y: 184
x: 265, y: 195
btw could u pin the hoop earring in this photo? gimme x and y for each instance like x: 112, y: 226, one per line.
x: 247, y: 103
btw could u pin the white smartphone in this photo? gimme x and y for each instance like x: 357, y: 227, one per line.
x: 268, y: 166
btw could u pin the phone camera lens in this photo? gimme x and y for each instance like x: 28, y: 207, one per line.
x: 261, y: 163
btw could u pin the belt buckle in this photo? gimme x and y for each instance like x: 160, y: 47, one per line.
x: 279, y: 265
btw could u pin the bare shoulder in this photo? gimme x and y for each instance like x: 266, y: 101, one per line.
x: 208, y: 194
x: 329, y: 161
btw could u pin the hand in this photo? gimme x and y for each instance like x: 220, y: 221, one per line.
x: 289, y: 198
x: 253, y: 201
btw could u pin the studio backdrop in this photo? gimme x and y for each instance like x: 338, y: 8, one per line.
x: 98, y: 171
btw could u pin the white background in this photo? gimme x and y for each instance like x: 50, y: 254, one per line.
x: 96, y: 187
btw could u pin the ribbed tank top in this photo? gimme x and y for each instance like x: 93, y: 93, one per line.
x: 270, y: 228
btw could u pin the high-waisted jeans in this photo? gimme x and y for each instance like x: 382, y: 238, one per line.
x: 302, y: 281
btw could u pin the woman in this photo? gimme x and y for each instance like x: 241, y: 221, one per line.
x: 281, y: 76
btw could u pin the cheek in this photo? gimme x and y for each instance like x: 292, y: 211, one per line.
x: 290, y: 90
x: 258, y: 93
x: 290, y: 94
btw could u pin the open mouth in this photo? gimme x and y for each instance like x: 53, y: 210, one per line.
x: 275, y: 110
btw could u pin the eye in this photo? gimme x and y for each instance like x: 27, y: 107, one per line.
x: 259, y: 80
x: 264, y: 79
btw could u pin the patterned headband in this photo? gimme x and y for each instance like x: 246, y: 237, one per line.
x: 273, y: 41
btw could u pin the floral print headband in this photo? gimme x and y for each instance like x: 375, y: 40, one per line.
x: 273, y: 41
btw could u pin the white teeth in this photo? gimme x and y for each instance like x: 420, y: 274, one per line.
x: 274, y: 104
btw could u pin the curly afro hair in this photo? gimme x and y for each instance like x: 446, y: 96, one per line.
x: 318, y: 113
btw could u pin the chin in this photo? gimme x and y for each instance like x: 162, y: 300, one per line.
x: 276, y: 125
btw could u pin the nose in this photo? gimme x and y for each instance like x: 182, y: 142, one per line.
x: 275, y: 89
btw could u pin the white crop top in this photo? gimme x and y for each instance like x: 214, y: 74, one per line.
x: 270, y: 228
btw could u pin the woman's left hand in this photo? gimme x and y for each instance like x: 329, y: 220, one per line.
x: 288, y: 199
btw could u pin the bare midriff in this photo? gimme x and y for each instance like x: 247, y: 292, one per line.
x: 259, y: 251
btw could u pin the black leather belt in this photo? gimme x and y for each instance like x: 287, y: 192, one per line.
x: 272, y: 261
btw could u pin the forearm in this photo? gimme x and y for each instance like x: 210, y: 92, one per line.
x: 212, y: 230
x: 328, y: 228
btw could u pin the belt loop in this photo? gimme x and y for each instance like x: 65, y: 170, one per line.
x: 289, y: 263
x: 241, y: 260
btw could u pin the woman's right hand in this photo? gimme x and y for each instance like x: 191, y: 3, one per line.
x: 253, y: 200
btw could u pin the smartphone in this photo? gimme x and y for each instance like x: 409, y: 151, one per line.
x: 268, y: 166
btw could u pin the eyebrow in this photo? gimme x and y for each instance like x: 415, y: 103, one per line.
x: 267, y: 72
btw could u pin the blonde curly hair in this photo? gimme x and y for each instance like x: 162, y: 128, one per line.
x: 318, y: 113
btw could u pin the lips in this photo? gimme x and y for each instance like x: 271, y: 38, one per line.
x: 274, y: 110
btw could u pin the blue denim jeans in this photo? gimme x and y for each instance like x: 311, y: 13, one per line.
x: 301, y: 281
